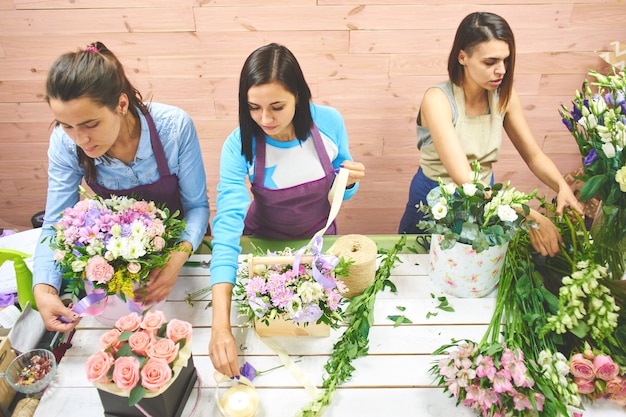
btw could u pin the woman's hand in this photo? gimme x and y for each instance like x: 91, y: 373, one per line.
x: 162, y: 280
x: 357, y: 171
x: 544, y: 235
x: 51, y: 308
x: 566, y: 198
x: 223, y: 351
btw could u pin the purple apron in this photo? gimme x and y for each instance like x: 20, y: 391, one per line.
x: 163, y: 191
x: 296, y: 212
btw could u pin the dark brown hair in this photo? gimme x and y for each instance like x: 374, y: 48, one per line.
x: 96, y: 73
x: 476, y: 28
x: 267, y: 64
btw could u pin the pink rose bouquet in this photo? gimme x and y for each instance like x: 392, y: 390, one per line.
x: 598, y: 376
x: 141, y: 356
x: 113, y: 243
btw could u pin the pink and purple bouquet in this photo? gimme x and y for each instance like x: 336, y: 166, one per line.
x: 308, y: 293
x: 141, y: 356
x: 113, y: 243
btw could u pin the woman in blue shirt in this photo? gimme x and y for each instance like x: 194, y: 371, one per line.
x: 289, y: 149
x: 106, y: 135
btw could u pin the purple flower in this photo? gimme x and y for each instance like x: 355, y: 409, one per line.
x: 576, y: 113
x: 310, y: 314
x: 568, y: 124
x: 592, y: 155
x: 248, y: 371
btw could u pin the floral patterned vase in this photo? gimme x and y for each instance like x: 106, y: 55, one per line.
x: 461, y: 271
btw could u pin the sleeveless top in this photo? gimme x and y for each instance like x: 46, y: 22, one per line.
x: 480, y: 136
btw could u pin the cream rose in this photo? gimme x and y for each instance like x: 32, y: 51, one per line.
x: 97, y: 367
x: 155, y: 373
x: 133, y: 267
x: 126, y: 372
x: 164, y: 349
x: 179, y: 329
x: 129, y: 323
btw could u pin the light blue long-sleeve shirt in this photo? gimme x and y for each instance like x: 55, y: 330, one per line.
x: 233, y: 198
x: 182, y: 151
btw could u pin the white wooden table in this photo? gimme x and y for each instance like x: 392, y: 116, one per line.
x: 392, y: 381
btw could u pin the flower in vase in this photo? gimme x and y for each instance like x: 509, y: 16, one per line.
x: 113, y: 244
x: 475, y: 214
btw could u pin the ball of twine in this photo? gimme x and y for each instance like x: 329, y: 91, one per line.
x: 363, y: 251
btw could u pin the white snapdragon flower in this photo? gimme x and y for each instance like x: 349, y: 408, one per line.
x: 608, y: 149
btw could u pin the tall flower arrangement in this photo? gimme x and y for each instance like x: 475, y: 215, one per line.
x: 597, y: 121
x: 475, y: 214
x: 114, y: 243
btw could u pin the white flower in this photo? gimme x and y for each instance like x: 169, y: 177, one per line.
x: 470, y: 189
x: 310, y: 292
x: 506, y: 213
x: 449, y: 189
x: 78, y: 265
x: 620, y: 178
x: 608, y: 149
x: 439, y: 211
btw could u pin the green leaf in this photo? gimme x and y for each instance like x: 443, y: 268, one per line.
x: 136, y: 394
x: 399, y: 320
x: 592, y: 186
x: 400, y: 308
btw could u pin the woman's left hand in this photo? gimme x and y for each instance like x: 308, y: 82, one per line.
x: 566, y: 198
x: 162, y: 280
x: 357, y: 171
x: 544, y: 235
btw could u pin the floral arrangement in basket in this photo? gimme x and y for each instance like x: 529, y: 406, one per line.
x: 597, y: 121
x: 475, y: 214
x: 301, y: 286
x: 141, y: 356
x: 113, y: 243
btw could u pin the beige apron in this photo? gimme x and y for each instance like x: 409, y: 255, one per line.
x: 479, y: 136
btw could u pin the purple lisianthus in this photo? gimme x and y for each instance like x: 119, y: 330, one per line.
x: 568, y: 124
x: 248, y: 371
x: 590, y: 157
x: 576, y: 113
x: 310, y: 314
x: 258, y: 305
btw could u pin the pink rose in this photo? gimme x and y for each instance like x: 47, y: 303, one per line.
x: 97, y: 367
x: 585, y: 386
x: 581, y: 367
x: 605, y: 367
x: 141, y: 206
x: 155, y: 373
x: 139, y: 342
x: 179, y: 329
x: 129, y: 323
x: 158, y: 243
x: 99, y: 270
x: 133, y: 267
x: 59, y: 255
x: 126, y: 372
x: 163, y: 349
x: 153, y: 320
x: 620, y: 396
x: 111, y: 340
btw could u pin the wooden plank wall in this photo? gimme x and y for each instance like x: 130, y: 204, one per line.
x: 371, y: 59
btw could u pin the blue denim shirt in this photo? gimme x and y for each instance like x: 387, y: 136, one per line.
x: 184, y: 158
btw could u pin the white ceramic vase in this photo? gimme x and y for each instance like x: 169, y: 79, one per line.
x: 461, y: 271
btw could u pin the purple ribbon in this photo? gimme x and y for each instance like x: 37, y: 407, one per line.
x: 7, y: 299
x: 320, y: 259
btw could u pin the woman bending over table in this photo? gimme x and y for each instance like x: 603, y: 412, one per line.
x: 106, y: 135
x: 461, y: 120
x: 289, y: 149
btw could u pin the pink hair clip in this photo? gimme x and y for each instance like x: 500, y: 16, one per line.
x: 91, y: 48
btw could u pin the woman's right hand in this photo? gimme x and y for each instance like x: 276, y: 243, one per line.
x: 223, y: 351
x: 51, y: 308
